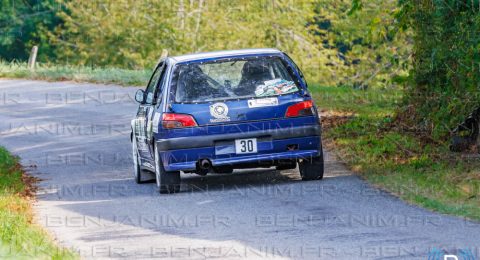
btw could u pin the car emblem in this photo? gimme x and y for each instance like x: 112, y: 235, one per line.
x: 220, y: 112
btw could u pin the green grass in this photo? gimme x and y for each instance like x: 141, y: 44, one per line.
x: 423, y: 173
x: 48, y: 72
x: 19, y: 236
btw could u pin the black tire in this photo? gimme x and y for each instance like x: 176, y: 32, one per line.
x: 167, y: 182
x: 139, y: 175
x: 312, y: 168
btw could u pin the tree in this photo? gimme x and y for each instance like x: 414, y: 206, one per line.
x: 375, y: 53
x: 130, y: 33
x: 22, y: 25
x: 444, y: 81
x: 445, y: 84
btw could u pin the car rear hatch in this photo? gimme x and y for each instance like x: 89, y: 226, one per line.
x: 238, y: 89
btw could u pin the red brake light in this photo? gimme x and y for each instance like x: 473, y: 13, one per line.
x: 304, y: 108
x: 171, y: 120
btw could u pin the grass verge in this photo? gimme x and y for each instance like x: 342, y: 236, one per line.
x: 122, y: 77
x: 421, y: 172
x: 19, y: 236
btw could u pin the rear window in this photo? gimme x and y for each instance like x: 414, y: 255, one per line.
x: 232, y: 79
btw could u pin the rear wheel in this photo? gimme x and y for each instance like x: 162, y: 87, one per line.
x: 312, y: 168
x: 138, y: 174
x: 167, y: 182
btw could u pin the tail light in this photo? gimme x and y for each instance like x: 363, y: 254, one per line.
x: 171, y: 120
x: 304, y: 108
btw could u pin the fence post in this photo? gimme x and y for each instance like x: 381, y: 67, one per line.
x: 33, y: 57
x: 163, y: 56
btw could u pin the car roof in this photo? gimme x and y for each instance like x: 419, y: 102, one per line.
x: 219, y: 54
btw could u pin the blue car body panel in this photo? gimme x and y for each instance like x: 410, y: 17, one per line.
x: 180, y: 149
x: 221, y: 150
x: 238, y: 111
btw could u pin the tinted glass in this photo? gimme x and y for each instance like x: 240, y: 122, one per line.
x: 232, y: 79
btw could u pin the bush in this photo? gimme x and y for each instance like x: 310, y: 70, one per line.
x: 445, y: 77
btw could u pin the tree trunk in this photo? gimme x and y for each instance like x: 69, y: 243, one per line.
x: 197, y: 26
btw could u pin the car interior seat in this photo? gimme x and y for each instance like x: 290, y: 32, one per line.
x: 254, y: 73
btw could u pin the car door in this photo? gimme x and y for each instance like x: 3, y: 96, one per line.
x: 153, y: 113
x: 144, y: 116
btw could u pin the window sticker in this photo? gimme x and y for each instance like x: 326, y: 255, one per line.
x: 275, y: 87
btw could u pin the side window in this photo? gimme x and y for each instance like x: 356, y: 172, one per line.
x: 302, y: 77
x: 152, y: 84
x: 158, y: 91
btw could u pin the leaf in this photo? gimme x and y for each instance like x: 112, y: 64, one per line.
x: 356, y: 6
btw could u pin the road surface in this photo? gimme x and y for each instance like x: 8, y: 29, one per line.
x: 75, y: 137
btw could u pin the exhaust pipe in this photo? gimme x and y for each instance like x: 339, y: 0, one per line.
x: 205, y: 164
x: 203, y: 167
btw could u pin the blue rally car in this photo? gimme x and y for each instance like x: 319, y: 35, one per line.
x: 218, y: 111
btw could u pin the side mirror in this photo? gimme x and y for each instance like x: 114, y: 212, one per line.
x: 139, y: 96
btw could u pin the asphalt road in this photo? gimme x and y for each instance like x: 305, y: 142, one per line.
x: 75, y: 137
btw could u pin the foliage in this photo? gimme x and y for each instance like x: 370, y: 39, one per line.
x: 375, y: 53
x: 22, y: 25
x: 131, y: 34
x: 402, y: 163
x: 445, y: 84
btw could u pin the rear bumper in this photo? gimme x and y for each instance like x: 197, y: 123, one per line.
x: 223, y: 152
x: 260, y: 160
x: 211, y: 140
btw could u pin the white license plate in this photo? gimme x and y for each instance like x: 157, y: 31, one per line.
x: 246, y: 145
x: 263, y: 102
